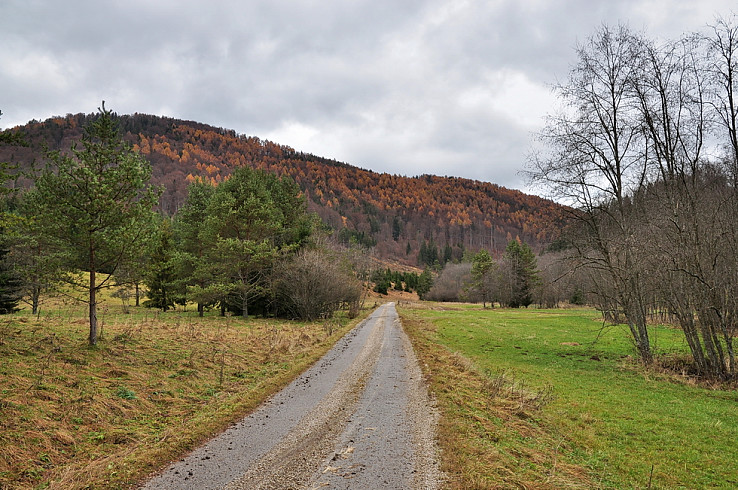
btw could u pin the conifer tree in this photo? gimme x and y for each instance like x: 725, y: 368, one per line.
x: 252, y: 219
x: 448, y: 254
x: 95, y: 204
x: 191, y: 259
x: 10, y: 284
x: 425, y: 283
x: 34, y: 258
x: 521, y: 273
x: 161, y: 278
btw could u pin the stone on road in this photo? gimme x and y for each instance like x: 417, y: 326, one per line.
x: 359, y: 418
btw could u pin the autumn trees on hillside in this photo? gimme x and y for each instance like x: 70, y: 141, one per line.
x: 385, y: 211
x: 241, y: 242
x: 645, y: 152
x: 236, y: 236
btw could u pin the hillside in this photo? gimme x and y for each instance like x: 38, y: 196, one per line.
x: 395, y: 214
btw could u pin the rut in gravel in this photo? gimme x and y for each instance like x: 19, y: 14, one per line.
x: 359, y: 418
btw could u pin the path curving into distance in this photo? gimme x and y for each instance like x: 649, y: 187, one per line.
x: 359, y: 418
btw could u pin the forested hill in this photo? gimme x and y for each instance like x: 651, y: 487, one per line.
x: 398, y: 215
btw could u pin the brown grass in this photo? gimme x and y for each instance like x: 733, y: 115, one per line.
x: 489, y: 433
x: 155, y: 386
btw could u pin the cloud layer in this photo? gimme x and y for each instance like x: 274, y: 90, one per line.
x: 445, y: 87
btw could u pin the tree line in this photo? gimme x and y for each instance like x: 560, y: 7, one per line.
x: 645, y: 151
x: 247, y: 245
x: 515, y: 280
x: 386, y: 279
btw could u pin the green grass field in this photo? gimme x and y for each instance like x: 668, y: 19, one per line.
x: 607, y: 422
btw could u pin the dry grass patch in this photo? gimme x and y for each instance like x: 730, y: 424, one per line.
x: 156, y: 385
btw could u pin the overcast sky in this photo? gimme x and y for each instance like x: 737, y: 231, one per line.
x: 447, y: 87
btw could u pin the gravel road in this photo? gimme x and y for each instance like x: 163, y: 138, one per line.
x: 359, y: 418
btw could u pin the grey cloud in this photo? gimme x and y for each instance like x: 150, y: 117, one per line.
x: 407, y: 87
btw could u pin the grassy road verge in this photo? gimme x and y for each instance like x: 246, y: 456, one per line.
x: 156, y: 384
x: 546, y: 398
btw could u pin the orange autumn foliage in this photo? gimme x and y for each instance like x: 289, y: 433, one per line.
x: 450, y: 210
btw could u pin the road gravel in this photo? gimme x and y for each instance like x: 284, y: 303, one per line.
x: 359, y: 418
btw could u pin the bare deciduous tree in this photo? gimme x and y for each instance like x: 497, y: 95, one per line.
x: 452, y: 283
x: 722, y: 50
x: 596, y: 159
x: 686, y: 201
x: 316, y: 283
x: 655, y: 218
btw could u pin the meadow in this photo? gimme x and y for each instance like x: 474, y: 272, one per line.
x: 528, y: 398
x: 554, y: 399
x: 157, y: 384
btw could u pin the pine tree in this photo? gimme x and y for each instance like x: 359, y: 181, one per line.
x: 35, y: 258
x: 448, y: 254
x: 428, y: 254
x: 96, y: 206
x: 425, y: 283
x: 192, y: 263
x: 252, y: 219
x: 396, y: 228
x: 10, y: 285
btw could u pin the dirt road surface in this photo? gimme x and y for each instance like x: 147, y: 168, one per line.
x: 360, y: 418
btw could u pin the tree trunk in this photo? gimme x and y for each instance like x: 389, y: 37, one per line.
x: 245, y: 311
x: 93, y: 309
x: 35, y: 296
x: 200, y: 310
x: 138, y: 294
